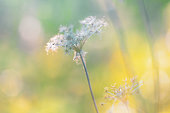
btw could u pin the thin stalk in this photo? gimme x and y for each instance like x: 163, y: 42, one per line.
x: 87, y: 76
x: 113, y: 15
x: 151, y: 44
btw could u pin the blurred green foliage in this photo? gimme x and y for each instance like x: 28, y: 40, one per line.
x: 33, y: 82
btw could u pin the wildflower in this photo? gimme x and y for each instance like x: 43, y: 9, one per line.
x: 74, y: 41
x: 122, y: 92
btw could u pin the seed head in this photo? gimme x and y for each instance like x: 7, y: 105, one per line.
x: 123, y: 91
x: 74, y: 41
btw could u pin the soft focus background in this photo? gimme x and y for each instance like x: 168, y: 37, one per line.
x: 33, y: 82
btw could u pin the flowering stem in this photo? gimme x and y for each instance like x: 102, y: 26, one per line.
x: 87, y: 76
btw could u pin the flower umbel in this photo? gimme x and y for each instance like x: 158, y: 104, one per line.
x: 122, y: 92
x: 74, y: 41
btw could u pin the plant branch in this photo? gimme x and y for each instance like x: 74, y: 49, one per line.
x: 87, y: 76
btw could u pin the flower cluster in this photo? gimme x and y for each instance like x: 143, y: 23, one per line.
x: 74, y: 41
x: 54, y: 43
x: 122, y: 92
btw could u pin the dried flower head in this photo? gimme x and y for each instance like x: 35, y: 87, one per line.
x: 74, y: 41
x: 122, y: 92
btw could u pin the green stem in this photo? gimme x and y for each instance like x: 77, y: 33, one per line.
x: 151, y: 46
x: 87, y: 76
x: 113, y: 15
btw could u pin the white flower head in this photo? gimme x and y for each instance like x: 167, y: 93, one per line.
x: 54, y: 43
x: 74, y: 41
x: 123, y: 91
x: 89, y: 20
x: 63, y: 28
x: 92, y: 25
